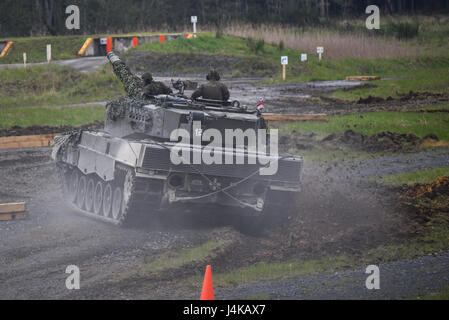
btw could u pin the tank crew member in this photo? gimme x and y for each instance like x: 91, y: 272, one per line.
x: 136, y: 87
x: 213, y: 89
x: 152, y: 88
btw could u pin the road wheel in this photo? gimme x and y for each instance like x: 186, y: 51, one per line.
x: 117, y: 203
x: 89, y: 199
x: 98, y: 197
x: 107, y: 200
x: 81, y: 192
x: 72, y: 185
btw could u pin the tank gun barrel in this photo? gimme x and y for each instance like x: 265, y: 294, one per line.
x: 112, y: 57
x: 132, y: 84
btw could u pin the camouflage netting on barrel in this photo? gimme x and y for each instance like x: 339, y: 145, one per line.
x: 120, y: 108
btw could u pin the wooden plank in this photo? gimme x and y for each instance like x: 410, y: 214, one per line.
x: 362, y: 78
x: 13, y: 207
x: 295, y: 117
x: 13, y: 216
x: 36, y: 137
x: 14, y: 142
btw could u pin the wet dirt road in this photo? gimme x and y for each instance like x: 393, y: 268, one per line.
x: 85, y: 65
x: 34, y: 253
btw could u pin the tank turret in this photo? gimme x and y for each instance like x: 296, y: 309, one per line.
x: 168, y: 151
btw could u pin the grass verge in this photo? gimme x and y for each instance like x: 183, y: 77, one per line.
x: 433, y: 79
x: 414, y: 177
x: 63, y: 47
x: 370, y: 123
x: 173, y: 260
x: 50, y: 116
x: 55, y: 85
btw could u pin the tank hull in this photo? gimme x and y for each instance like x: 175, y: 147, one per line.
x: 112, y: 178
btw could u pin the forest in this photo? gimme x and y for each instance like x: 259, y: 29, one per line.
x: 47, y: 17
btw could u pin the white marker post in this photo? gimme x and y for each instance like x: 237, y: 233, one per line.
x: 320, y: 51
x: 284, y: 62
x: 48, y: 53
x: 303, y: 57
x: 24, y: 60
x: 194, y: 19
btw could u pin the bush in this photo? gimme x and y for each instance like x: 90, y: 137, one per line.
x: 219, y: 33
x: 281, y: 45
x: 255, y: 46
x: 404, y: 30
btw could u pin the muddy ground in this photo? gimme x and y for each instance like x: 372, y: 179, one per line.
x: 338, y: 212
x: 289, y: 98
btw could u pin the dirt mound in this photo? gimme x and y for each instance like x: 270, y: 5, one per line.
x: 25, y: 131
x: 403, y: 97
x: 380, y: 142
x: 179, y: 64
x: 419, y: 95
x: 371, y: 99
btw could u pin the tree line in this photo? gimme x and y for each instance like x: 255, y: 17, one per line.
x: 47, y: 17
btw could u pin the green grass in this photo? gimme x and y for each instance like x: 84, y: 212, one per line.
x: 435, y: 80
x: 55, y: 85
x: 63, y: 47
x: 414, y: 177
x: 335, y: 69
x: 422, y: 73
x: 207, y: 43
x: 272, y: 271
x: 419, y: 124
x: 50, y: 116
x: 439, y: 107
x: 173, y: 260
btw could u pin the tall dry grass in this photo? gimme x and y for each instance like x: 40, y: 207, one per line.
x: 336, y: 45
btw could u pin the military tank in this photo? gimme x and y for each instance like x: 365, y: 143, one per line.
x: 128, y: 168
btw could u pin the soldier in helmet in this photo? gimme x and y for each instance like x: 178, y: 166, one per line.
x: 213, y: 89
x: 152, y: 88
x: 135, y: 87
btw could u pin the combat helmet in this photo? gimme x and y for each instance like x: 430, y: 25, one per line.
x: 213, y: 75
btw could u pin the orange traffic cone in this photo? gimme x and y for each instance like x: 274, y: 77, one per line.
x: 208, y: 288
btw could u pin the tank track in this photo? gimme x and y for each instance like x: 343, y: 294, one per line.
x: 113, y: 201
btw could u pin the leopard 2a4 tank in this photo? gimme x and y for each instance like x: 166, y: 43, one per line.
x: 163, y: 152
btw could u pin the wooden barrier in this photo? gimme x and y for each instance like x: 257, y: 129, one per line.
x: 362, y: 78
x: 15, y: 142
x: 13, y: 211
x: 273, y: 117
x: 86, y: 45
x: 6, y: 49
